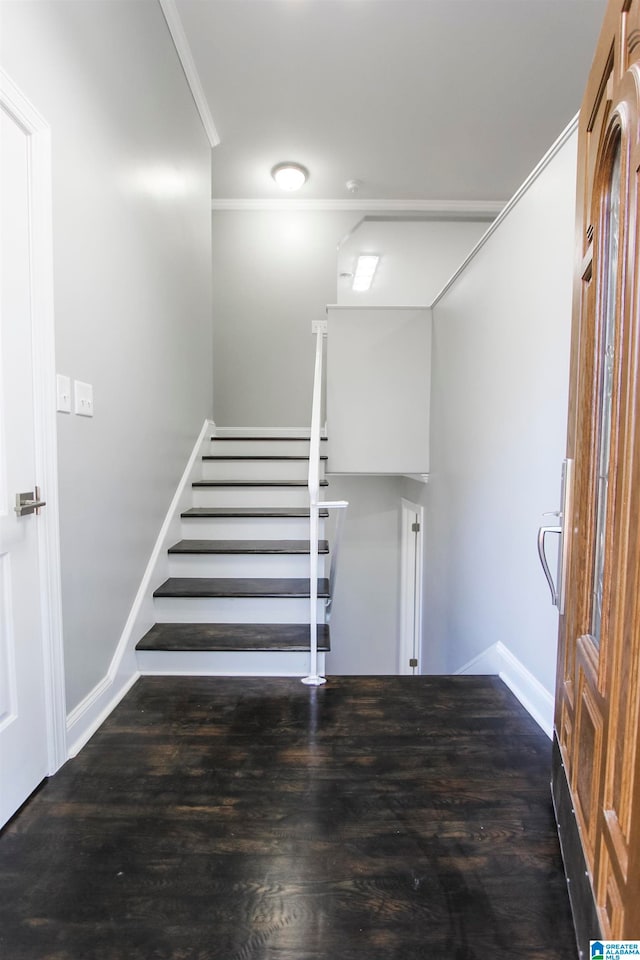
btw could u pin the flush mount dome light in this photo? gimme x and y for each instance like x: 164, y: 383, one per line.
x: 290, y: 176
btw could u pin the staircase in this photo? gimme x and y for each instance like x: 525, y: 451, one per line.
x: 237, y: 598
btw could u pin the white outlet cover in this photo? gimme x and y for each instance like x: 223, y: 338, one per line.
x: 84, y: 398
x: 63, y: 393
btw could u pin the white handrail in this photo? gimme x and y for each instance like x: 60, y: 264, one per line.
x: 314, y: 514
x: 314, y: 519
x: 316, y: 412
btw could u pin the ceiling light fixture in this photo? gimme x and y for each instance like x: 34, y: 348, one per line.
x: 365, y: 269
x: 290, y: 176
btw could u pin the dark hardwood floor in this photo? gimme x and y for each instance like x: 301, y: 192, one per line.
x: 393, y: 818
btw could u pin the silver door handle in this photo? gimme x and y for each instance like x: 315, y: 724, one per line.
x: 542, y: 532
x: 27, y: 503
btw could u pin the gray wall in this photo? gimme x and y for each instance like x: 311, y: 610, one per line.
x: 131, y: 188
x: 365, y: 616
x: 273, y: 273
x: 498, y: 422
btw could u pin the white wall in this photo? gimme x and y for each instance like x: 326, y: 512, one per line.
x: 499, y: 399
x: 417, y: 257
x: 273, y: 273
x: 378, y: 389
x: 131, y: 188
x: 365, y: 617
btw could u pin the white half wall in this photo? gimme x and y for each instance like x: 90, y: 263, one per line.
x: 132, y: 280
x: 500, y: 354
x: 378, y: 385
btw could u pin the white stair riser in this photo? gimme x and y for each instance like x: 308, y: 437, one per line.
x: 257, y: 470
x: 261, y: 448
x: 242, y: 565
x: 234, y: 610
x: 250, y: 497
x: 247, y: 528
x: 250, y: 663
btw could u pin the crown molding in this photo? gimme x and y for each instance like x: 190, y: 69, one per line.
x: 474, y: 208
x: 179, y: 37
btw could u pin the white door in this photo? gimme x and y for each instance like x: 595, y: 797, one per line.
x: 26, y: 691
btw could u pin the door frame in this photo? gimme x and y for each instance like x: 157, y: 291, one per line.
x: 46, y: 459
x: 411, y: 587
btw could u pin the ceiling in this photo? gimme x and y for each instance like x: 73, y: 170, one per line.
x: 443, y: 101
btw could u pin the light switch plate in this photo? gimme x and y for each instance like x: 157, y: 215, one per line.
x: 63, y: 393
x: 84, y: 398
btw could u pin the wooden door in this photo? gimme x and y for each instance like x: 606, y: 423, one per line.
x: 597, y: 753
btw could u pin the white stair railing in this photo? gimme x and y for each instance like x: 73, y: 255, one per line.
x: 315, y: 505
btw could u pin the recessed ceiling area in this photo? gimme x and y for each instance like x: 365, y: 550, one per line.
x: 426, y: 100
x: 417, y: 257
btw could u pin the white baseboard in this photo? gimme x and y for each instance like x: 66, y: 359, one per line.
x: 487, y: 662
x: 534, y: 697
x: 92, y: 711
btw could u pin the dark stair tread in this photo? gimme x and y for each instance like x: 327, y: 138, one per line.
x: 240, y: 587
x: 248, y: 457
x: 200, y: 512
x: 233, y: 636
x: 246, y: 547
x: 266, y: 438
x: 254, y: 483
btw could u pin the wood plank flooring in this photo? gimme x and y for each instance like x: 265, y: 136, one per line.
x: 393, y: 818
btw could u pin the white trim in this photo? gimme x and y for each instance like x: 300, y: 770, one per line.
x: 179, y: 37
x: 377, y: 306
x: 518, y: 195
x: 411, y: 587
x: 487, y: 662
x: 39, y: 141
x: 534, y: 697
x: 86, y: 717
x: 90, y: 713
x: 480, y: 209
